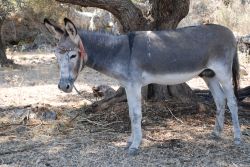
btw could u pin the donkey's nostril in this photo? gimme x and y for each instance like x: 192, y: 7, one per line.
x: 67, y: 86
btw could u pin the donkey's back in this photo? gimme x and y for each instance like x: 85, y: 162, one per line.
x: 183, y: 50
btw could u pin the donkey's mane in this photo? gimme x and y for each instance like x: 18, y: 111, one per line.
x: 105, y: 39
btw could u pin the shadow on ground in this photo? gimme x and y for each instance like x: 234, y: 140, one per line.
x: 77, y: 138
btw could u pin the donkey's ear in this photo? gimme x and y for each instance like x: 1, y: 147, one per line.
x: 71, y: 30
x: 53, y: 29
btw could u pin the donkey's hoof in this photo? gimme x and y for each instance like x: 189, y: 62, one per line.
x: 128, y: 145
x: 133, y: 151
x: 215, y: 136
x: 237, y: 141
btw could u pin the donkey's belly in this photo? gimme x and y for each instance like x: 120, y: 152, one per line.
x: 168, y: 79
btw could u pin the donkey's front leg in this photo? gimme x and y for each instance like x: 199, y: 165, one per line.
x: 134, y: 102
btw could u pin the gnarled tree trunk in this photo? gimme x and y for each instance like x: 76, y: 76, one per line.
x: 163, y: 14
x: 3, y: 58
x: 167, y: 14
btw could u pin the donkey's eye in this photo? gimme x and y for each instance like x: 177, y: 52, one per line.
x: 72, y: 56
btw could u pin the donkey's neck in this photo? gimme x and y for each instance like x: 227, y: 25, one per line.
x: 103, y: 52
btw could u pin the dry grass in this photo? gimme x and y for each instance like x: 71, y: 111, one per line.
x: 98, y: 139
x: 235, y: 16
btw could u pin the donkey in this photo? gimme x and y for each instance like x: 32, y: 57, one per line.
x: 139, y: 58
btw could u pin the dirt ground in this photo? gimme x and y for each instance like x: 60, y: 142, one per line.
x: 174, y: 134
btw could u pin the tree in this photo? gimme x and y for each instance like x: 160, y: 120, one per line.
x: 163, y: 14
x: 5, y: 9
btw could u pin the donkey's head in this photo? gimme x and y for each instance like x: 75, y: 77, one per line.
x: 70, y: 53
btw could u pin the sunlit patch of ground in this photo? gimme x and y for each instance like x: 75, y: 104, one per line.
x: 174, y: 134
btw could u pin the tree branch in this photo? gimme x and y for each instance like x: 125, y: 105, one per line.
x: 130, y: 17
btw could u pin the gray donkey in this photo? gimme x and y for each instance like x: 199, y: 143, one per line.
x: 163, y: 57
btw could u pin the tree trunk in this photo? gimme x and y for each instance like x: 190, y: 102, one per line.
x: 167, y: 14
x: 164, y: 14
x: 3, y: 58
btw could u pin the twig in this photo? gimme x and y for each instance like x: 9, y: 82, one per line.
x: 173, y: 115
x: 72, y: 119
x: 98, y: 124
x: 96, y: 115
x: 37, y: 125
x: 80, y: 94
x: 21, y: 123
x: 112, y: 123
x: 103, y: 130
x: 41, y: 123
x: 92, y: 122
x: 25, y: 148
x: 18, y: 107
x: 152, y: 139
x: 14, y: 124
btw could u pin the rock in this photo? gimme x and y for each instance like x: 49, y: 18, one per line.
x: 48, y: 115
x: 43, y: 112
x: 243, y: 71
x: 103, y: 91
x: 244, y: 44
x: 246, y: 39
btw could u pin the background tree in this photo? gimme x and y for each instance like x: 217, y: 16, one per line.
x: 161, y: 15
x: 5, y: 8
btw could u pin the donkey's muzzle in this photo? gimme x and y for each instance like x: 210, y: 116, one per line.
x: 65, y: 86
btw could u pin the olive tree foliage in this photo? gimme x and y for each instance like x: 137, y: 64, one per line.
x: 25, y: 13
x: 45, y: 8
x: 6, y: 7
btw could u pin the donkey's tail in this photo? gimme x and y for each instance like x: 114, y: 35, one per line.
x: 236, y: 75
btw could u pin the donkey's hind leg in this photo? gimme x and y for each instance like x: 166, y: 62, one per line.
x: 226, y: 83
x: 220, y: 102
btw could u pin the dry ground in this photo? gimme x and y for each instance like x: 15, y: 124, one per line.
x: 175, y: 134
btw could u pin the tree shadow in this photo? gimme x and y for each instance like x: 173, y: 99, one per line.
x: 174, y: 135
